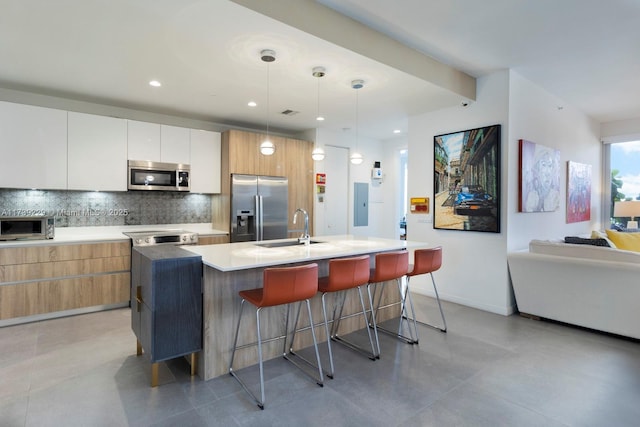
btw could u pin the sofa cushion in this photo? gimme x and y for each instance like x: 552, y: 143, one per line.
x: 597, y: 234
x: 627, y: 241
x: 559, y: 248
x: 582, y: 241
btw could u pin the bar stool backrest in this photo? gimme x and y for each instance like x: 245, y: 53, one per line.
x: 426, y: 261
x: 348, y: 273
x: 282, y: 285
x: 389, y: 266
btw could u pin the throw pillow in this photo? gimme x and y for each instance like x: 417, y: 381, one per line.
x: 583, y: 241
x: 597, y: 234
x: 626, y: 241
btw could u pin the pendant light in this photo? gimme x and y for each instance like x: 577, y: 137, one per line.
x: 356, y: 158
x: 318, y: 153
x: 266, y: 147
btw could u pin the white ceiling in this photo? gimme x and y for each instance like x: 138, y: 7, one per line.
x: 206, y: 54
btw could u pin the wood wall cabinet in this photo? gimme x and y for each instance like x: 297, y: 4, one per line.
x: 292, y: 159
x: 166, y: 303
x: 34, y: 147
x: 96, y: 152
x: 39, y: 282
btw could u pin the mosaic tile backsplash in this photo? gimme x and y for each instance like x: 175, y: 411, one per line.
x: 86, y: 209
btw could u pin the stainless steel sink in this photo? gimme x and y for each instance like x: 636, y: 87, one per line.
x: 284, y: 243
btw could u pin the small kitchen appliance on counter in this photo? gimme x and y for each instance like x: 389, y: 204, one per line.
x: 27, y: 227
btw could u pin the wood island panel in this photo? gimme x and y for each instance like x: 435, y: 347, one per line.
x: 221, y: 311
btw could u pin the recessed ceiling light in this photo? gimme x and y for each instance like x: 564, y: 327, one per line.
x: 252, y: 103
x: 397, y: 131
x: 319, y: 118
x: 155, y: 83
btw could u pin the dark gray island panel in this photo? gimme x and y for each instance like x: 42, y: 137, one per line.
x: 166, y: 302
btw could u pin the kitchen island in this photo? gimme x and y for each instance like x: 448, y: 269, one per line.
x: 229, y: 268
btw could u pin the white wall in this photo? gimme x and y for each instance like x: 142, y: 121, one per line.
x: 382, y: 196
x: 474, y: 270
x: 534, y: 115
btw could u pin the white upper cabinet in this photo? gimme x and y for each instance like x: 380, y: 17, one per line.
x: 143, y: 141
x: 205, y: 161
x: 174, y: 144
x: 97, y: 152
x: 33, y: 143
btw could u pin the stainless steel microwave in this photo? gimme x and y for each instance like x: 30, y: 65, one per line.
x: 145, y: 175
x: 27, y: 227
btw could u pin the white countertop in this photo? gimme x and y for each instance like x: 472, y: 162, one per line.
x: 70, y: 235
x: 246, y: 255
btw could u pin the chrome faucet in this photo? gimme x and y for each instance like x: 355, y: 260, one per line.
x: 304, y: 237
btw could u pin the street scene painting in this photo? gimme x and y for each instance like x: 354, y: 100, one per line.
x: 466, y: 180
x: 539, y: 178
x: 578, y: 192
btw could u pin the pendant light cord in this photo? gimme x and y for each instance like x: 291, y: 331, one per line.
x: 268, y: 101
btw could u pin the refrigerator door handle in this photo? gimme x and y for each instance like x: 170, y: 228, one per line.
x: 260, y: 218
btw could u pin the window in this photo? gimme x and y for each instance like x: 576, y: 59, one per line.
x: 623, y: 178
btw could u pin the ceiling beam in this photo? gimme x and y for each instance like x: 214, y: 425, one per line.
x: 325, y: 23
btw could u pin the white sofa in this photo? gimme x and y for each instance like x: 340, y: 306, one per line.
x: 590, y: 286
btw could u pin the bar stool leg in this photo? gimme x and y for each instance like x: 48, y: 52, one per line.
x: 443, y: 328
x: 372, y: 320
x: 336, y: 325
x: 403, y: 313
x: 259, y: 402
x: 326, y: 330
x: 291, y: 352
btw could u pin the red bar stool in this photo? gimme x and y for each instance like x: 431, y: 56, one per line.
x: 282, y: 285
x: 391, y: 266
x: 345, y: 274
x: 426, y: 261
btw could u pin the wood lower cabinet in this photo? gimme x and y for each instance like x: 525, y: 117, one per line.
x: 166, y: 303
x: 39, y: 282
x: 213, y: 240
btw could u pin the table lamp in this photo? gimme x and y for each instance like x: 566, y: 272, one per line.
x: 626, y: 209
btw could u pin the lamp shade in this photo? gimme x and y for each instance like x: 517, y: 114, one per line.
x: 627, y: 209
x: 317, y: 154
x: 267, y: 148
x: 356, y: 158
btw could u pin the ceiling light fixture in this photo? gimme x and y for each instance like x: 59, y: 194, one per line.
x: 267, y: 148
x: 252, y: 103
x: 318, y: 153
x: 318, y: 72
x: 356, y: 158
x: 155, y: 83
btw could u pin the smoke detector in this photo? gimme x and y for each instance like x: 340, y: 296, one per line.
x: 318, y: 72
x: 357, y: 84
x: 268, y: 55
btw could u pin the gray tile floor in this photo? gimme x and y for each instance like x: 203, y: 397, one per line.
x: 488, y: 370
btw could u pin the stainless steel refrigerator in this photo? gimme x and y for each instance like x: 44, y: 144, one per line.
x: 259, y: 207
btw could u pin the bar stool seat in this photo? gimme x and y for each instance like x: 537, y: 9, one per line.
x: 426, y: 261
x: 392, y: 266
x: 345, y: 274
x: 281, y: 285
